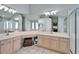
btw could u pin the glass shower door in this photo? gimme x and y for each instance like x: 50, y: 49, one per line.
x: 72, y: 32
x: 77, y: 31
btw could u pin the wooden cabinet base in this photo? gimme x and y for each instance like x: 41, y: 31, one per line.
x: 54, y: 43
x: 17, y: 43
x: 11, y: 45
x: 6, y: 47
x: 54, y: 50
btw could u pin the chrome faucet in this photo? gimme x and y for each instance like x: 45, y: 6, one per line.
x: 7, y: 32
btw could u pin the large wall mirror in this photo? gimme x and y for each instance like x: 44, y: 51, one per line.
x: 10, y: 20
x: 54, y: 23
x: 11, y: 24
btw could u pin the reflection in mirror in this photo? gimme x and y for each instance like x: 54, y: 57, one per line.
x: 52, y: 23
x: 56, y: 22
x: 1, y: 25
x: 10, y: 21
x: 34, y: 25
x: 17, y: 22
x: 6, y: 24
x: 44, y: 24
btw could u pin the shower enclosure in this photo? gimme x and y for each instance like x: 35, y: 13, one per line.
x: 72, y: 29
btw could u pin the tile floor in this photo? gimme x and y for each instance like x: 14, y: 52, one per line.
x: 35, y: 50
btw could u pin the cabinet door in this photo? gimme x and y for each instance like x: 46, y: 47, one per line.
x: 54, y: 43
x: 44, y: 41
x: 40, y: 40
x: 17, y: 43
x: 6, y: 46
x: 64, y: 45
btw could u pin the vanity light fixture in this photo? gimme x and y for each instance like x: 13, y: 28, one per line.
x: 1, y: 7
x: 54, y: 12
x: 50, y: 13
x: 5, y: 8
x: 47, y: 13
x: 10, y: 10
x: 14, y: 11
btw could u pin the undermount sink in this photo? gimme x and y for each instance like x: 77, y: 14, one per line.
x: 7, y: 34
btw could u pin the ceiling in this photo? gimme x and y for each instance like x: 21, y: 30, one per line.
x: 37, y: 9
x: 62, y: 8
x: 20, y: 8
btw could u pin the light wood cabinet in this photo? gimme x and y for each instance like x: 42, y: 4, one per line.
x: 64, y: 45
x: 54, y: 43
x: 10, y: 45
x: 6, y: 46
x: 17, y: 43
x: 44, y: 41
x: 40, y: 41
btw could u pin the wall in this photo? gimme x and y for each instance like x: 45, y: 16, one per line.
x: 1, y: 26
x: 60, y: 24
x: 27, y: 24
x: 20, y: 22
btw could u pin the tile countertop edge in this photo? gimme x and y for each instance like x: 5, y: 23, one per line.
x: 33, y: 33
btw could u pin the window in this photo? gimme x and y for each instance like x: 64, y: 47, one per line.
x: 34, y: 25
x: 6, y: 25
x: 16, y: 25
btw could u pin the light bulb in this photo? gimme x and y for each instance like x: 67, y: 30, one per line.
x: 13, y: 11
x: 54, y: 12
x: 1, y: 7
x: 47, y: 13
x: 6, y: 9
x: 10, y: 10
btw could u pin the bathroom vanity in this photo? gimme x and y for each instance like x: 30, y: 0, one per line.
x: 59, y: 44
x: 53, y: 41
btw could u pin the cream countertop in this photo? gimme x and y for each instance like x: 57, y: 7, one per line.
x: 32, y: 33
